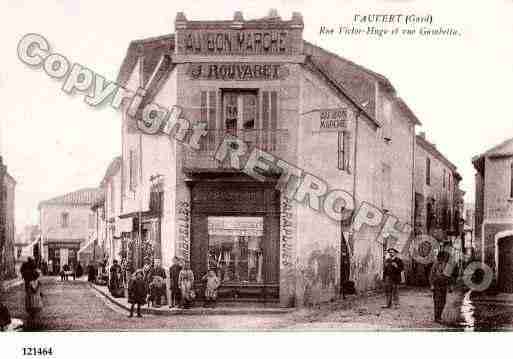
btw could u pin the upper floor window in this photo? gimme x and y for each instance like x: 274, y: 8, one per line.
x: 64, y: 220
x: 240, y: 110
x: 92, y: 220
x: 428, y: 171
x: 112, y: 196
x: 443, y: 180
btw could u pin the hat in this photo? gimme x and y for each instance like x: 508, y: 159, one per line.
x: 392, y: 250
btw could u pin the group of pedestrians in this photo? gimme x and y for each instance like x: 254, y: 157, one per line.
x: 147, y: 285
x: 75, y: 272
x: 439, y: 279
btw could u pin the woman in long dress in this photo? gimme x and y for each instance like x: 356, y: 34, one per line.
x: 186, y: 280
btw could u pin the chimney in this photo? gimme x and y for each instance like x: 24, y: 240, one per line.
x: 273, y: 14
x: 237, y: 16
x: 422, y: 135
x: 180, y: 21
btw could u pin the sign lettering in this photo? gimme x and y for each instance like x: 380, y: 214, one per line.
x: 229, y: 42
x: 333, y: 120
x: 237, y: 71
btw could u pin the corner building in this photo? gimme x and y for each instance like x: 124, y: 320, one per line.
x: 260, y: 81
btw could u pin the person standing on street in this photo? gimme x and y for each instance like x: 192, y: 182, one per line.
x: 157, y: 283
x: 174, y: 272
x: 186, y: 280
x: 137, y: 292
x: 439, y: 281
x: 33, y: 301
x: 393, y: 268
x: 27, y: 271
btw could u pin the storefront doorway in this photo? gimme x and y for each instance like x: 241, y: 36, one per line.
x: 235, y: 231
x: 505, y: 265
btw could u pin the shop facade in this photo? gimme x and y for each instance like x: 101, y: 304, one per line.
x: 67, y: 224
x: 258, y: 81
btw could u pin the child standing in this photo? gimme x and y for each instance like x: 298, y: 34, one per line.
x: 186, y: 280
x: 137, y: 292
x: 211, y: 288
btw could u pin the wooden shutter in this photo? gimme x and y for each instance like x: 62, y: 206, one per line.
x: 212, y: 111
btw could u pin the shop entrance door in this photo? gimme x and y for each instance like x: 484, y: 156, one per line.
x: 505, y: 265
x: 235, y: 231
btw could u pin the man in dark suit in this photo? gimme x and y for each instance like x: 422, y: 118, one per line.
x: 393, y: 267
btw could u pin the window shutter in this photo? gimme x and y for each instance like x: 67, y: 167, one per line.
x: 265, y: 120
x: 203, y: 115
x: 212, y: 120
x: 347, y: 150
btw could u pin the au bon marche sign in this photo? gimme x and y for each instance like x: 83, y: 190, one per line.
x: 333, y: 120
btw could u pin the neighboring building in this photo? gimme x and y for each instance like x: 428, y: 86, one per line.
x: 94, y: 250
x: 438, y: 199
x: 111, y: 223
x: 67, y: 223
x: 27, y: 243
x: 7, y: 229
x: 494, y: 211
x: 469, y: 229
x: 275, y: 92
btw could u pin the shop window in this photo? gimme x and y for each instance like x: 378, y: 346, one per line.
x: 235, y: 248
x: 343, y: 151
x: 64, y: 220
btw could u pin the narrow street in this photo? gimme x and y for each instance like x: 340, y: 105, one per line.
x: 76, y: 306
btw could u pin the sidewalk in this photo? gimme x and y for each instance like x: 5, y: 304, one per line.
x: 504, y: 299
x: 364, y: 313
x: 165, y: 310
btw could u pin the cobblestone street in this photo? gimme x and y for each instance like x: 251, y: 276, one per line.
x: 76, y: 306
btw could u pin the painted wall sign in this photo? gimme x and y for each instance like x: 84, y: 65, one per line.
x: 237, y: 71
x: 236, y: 226
x: 231, y: 42
x: 334, y: 120
x: 183, y: 219
x: 287, y: 231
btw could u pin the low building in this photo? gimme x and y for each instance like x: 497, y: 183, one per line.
x: 438, y: 200
x: 7, y: 228
x: 494, y: 211
x: 27, y: 244
x: 67, y: 223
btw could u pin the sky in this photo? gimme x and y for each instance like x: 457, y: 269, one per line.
x: 54, y: 143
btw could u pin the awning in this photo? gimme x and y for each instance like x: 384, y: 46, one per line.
x: 86, y: 246
x: 123, y: 225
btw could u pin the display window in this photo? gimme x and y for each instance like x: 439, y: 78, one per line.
x: 235, y: 248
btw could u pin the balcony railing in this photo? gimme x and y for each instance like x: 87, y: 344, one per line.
x: 271, y: 141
